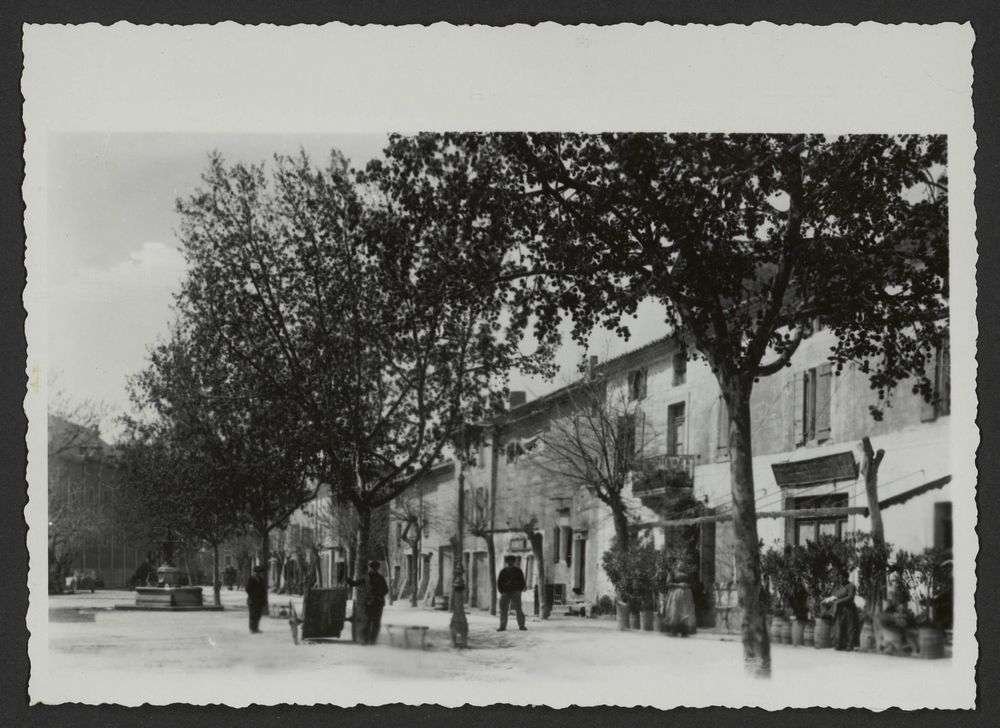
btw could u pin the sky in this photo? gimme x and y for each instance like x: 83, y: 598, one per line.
x: 112, y: 263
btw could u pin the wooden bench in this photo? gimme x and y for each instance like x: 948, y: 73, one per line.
x: 406, y: 632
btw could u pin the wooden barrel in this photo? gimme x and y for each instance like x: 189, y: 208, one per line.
x: 647, y: 620
x: 867, y: 638
x: 808, y: 632
x: 775, y: 630
x: 823, y: 636
x: 786, y: 632
x: 798, y: 632
x: 931, y: 641
x: 621, y: 612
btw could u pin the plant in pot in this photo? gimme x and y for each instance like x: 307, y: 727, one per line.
x: 932, y: 587
x: 632, y: 574
x: 794, y: 591
x: 617, y: 565
x: 873, y: 561
x: 823, y: 560
x: 770, y: 571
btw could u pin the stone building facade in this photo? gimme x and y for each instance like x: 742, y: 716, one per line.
x: 808, y: 423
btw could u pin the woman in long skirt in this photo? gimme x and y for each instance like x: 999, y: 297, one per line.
x: 845, y: 620
x: 679, y: 614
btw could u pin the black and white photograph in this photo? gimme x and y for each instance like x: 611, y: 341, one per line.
x: 366, y: 369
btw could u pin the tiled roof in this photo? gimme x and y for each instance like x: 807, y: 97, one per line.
x: 531, y: 407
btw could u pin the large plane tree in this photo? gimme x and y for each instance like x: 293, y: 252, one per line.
x: 746, y: 241
x: 335, y: 293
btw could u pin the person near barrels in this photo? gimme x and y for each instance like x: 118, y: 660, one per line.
x: 374, y: 602
x: 256, y: 598
x: 679, y: 614
x: 845, y: 616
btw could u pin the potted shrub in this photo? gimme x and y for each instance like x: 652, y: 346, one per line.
x: 785, y: 573
x: 616, y: 567
x: 873, y: 568
x: 822, y: 561
x: 632, y: 574
x: 793, y: 587
x: 933, y: 582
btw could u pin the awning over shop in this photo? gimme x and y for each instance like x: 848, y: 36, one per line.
x: 815, y: 471
x: 914, y: 492
x: 810, y: 512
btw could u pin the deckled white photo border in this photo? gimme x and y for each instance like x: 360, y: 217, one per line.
x: 338, y: 78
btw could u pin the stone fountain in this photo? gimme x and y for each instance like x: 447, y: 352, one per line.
x: 168, y: 593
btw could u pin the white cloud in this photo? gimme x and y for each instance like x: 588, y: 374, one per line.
x: 153, y: 265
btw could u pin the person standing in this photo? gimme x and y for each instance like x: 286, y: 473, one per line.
x: 374, y: 602
x: 256, y: 597
x: 845, y: 620
x: 510, y: 584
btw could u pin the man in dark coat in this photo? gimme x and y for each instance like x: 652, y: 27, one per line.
x: 510, y: 584
x: 374, y: 602
x: 256, y: 597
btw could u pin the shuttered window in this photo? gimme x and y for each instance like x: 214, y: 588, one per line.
x: 940, y: 378
x: 626, y: 441
x: 812, y: 404
x: 676, y: 429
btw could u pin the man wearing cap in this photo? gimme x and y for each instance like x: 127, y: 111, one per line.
x: 374, y: 602
x: 510, y: 584
x: 256, y: 597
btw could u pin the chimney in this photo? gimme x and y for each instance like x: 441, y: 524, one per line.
x: 593, y: 364
x: 517, y: 398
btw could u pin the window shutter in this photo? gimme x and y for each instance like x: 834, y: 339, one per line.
x: 824, y: 387
x: 798, y: 407
x: 555, y: 545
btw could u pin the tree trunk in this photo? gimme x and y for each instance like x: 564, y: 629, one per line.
x: 459, y: 624
x: 415, y: 573
x: 756, y: 645
x: 265, y: 547
x: 491, y: 559
x: 362, y: 557
x: 216, y: 576
x: 620, y: 518
x: 536, y: 549
x: 872, y: 461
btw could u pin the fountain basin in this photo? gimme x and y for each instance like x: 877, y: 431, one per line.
x: 153, y: 597
x: 169, y: 594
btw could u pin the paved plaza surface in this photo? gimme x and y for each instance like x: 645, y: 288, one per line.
x: 135, y: 657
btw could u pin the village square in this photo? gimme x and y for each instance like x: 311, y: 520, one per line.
x: 378, y: 436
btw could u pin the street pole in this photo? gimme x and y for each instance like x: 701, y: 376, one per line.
x: 459, y: 624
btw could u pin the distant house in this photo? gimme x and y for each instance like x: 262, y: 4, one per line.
x: 84, y: 533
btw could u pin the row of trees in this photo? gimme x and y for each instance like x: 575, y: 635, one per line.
x: 344, y: 326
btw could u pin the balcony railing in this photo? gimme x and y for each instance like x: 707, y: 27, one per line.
x: 662, y: 474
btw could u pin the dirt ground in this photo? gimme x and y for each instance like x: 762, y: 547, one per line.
x: 132, y: 657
